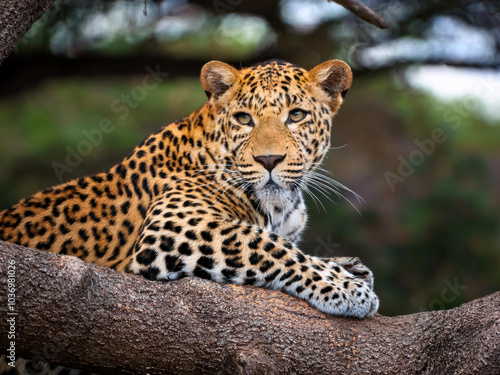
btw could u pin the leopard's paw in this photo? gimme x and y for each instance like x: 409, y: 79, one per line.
x: 354, y: 266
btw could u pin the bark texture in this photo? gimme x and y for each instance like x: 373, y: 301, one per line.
x: 16, y: 18
x: 84, y: 316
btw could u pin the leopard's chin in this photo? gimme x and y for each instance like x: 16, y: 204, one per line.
x: 272, y: 193
x: 271, y: 188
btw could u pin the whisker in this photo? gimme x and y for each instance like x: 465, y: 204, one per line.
x: 337, y: 147
x: 336, y: 184
x: 313, y: 196
x: 323, y: 191
x: 325, y: 184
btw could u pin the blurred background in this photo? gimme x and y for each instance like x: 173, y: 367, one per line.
x: 418, y: 136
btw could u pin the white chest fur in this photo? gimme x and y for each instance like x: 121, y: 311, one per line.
x: 287, y: 216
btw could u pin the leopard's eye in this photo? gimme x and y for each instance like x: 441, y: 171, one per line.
x: 243, y: 118
x: 296, y: 115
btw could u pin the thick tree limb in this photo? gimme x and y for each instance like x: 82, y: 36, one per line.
x: 363, y: 12
x: 16, y: 18
x: 84, y: 316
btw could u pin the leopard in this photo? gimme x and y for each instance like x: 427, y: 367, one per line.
x: 217, y: 195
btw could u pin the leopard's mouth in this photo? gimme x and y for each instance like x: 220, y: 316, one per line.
x: 273, y: 191
x: 271, y: 184
x: 271, y: 188
x: 270, y: 193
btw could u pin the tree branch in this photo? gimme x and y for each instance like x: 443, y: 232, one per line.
x: 363, y: 12
x: 16, y: 18
x: 84, y: 316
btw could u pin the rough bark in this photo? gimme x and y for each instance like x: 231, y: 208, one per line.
x: 16, y: 18
x: 84, y: 316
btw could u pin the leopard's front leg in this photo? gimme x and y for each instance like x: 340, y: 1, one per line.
x: 196, y: 242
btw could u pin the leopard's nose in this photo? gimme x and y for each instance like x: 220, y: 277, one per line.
x: 269, y: 161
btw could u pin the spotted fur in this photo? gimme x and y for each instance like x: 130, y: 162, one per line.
x: 213, y: 196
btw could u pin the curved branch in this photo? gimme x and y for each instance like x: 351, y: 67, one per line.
x: 100, y: 320
x: 16, y: 18
x: 363, y: 12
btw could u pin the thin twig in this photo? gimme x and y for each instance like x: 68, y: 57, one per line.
x: 363, y: 12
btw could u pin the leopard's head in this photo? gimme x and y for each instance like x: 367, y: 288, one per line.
x: 273, y: 120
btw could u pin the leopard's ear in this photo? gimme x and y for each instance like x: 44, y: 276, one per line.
x: 334, y: 77
x: 217, y: 78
